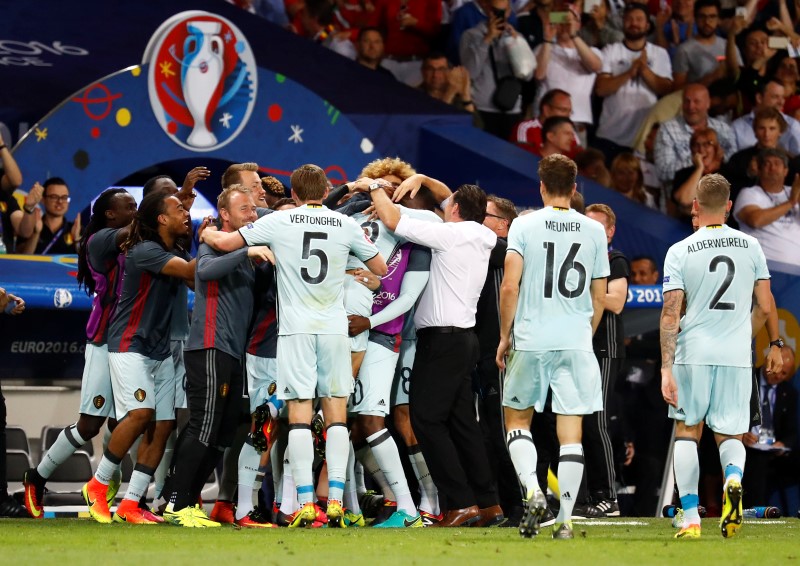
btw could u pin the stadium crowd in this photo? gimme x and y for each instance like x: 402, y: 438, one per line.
x: 647, y: 98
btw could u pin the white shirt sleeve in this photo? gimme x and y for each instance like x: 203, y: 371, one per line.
x: 260, y: 232
x: 436, y: 236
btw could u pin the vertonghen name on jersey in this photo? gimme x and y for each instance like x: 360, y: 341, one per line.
x: 317, y: 220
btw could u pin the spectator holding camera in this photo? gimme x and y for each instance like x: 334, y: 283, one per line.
x: 596, y: 30
x: 566, y: 62
x: 498, y: 59
x: 450, y: 85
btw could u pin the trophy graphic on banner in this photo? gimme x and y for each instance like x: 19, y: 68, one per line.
x: 201, y: 72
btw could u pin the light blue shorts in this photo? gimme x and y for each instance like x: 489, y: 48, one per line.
x: 718, y: 394
x: 573, y: 375
x: 402, y: 374
x: 262, y: 379
x: 180, y: 373
x: 97, y: 396
x: 140, y: 382
x: 314, y: 365
x: 373, y: 388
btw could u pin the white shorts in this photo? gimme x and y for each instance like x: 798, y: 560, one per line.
x: 180, y: 373
x: 97, y: 396
x: 142, y: 383
x: 262, y: 378
x: 314, y: 365
x: 402, y: 375
x: 357, y: 300
x: 573, y: 375
x: 720, y: 395
x: 373, y: 388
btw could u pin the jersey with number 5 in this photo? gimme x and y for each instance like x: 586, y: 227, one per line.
x: 311, y: 245
x: 717, y: 268
x: 562, y: 251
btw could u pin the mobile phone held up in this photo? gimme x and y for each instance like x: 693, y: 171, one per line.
x: 559, y: 18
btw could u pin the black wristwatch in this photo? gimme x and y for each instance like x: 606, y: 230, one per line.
x: 779, y: 343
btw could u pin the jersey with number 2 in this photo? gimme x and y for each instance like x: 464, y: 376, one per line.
x: 311, y: 245
x: 562, y: 251
x: 717, y: 268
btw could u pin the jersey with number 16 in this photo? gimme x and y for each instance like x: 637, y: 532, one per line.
x: 562, y: 251
x: 311, y: 245
x: 717, y: 268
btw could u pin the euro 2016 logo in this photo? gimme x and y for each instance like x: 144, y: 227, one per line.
x: 202, y: 79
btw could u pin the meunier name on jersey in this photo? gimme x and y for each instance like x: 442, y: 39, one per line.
x: 718, y: 243
x: 556, y: 226
x: 318, y: 220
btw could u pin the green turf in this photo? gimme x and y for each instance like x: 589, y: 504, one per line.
x: 80, y: 541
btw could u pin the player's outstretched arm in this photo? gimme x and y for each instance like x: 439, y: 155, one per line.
x: 509, y: 297
x: 222, y: 241
x: 387, y: 211
x: 377, y: 265
x: 670, y: 325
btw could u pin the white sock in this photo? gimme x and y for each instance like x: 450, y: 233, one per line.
x: 384, y: 449
x: 686, y: 464
x: 358, y: 474
x: 302, y: 450
x: 523, y: 455
x: 106, y: 469
x: 117, y: 475
x: 371, y: 467
x: 350, y: 500
x: 570, y: 472
x: 140, y: 481
x: 163, y: 466
x: 289, y: 502
x: 276, y: 461
x: 429, y: 495
x: 732, y: 456
x: 337, y: 446
x: 67, y: 442
x: 249, y: 459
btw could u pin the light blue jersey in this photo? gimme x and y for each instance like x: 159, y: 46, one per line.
x: 311, y: 245
x: 384, y: 239
x: 717, y: 268
x: 563, y: 251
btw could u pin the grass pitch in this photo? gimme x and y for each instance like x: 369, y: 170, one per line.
x: 623, y: 541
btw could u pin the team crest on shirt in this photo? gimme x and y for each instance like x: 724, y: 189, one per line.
x: 223, y: 390
x: 98, y: 402
x: 271, y: 389
x: 140, y: 395
x: 249, y: 226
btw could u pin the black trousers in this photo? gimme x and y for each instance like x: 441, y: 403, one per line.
x: 490, y: 410
x: 3, y: 482
x: 444, y: 421
x: 597, y: 448
x: 213, y: 394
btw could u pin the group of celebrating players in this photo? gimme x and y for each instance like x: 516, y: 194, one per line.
x: 277, y: 292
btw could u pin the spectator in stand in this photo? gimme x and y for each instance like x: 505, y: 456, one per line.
x: 741, y: 170
x: 634, y: 74
x: 702, y: 58
x: 592, y: 165
x: 369, y: 50
x: 273, y: 191
x: 769, y: 211
x: 53, y: 233
x: 450, y: 85
x: 596, y: 30
x: 410, y: 27
x: 564, y: 61
x: 528, y: 133
x: 355, y: 15
x: 784, y: 69
x: 707, y: 158
x: 467, y: 16
x: 493, y: 51
x: 10, y: 214
x: 771, y: 94
x: 756, y: 54
x: 672, y: 151
x: 773, y: 466
x: 628, y: 180
x: 532, y: 19
x: 675, y: 24
x: 314, y: 19
x: 558, y: 134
